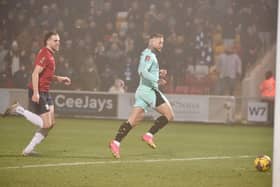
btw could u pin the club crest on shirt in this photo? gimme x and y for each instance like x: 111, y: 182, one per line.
x: 147, y: 58
x: 42, y: 60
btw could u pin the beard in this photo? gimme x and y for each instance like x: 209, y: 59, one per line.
x: 55, y: 49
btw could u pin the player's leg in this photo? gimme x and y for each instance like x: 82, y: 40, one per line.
x: 30, y: 116
x: 136, y: 115
x: 46, y: 110
x: 41, y: 133
x: 34, y: 116
x: 164, y: 108
x: 141, y: 104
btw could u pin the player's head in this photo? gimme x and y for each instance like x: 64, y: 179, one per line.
x: 156, y: 41
x: 52, y: 41
x: 268, y: 74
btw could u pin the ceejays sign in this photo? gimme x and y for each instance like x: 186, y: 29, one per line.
x: 87, y: 104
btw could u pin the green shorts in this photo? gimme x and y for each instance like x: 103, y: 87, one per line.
x: 146, y: 97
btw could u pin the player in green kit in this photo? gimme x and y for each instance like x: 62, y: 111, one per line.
x: 147, y: 95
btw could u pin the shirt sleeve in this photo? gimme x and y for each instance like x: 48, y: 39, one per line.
x: 41, y: 59
x: 146, y: 62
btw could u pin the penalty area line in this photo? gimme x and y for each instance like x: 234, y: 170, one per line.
x: 126, y: 162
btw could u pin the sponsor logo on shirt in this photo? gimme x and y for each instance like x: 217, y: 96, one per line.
x: 147, y: 58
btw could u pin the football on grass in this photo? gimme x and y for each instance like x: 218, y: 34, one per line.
x: 262, y: 163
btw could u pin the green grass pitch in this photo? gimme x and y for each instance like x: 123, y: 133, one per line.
x: 76, y: 154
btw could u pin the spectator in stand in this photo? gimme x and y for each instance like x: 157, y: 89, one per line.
x: 203, y: 45
x: 13, y: 58
x: 251, y: 46
x: 135, y: 14
x: 178, y: 57
x: 129, y: 72
x: 108, y: 13
x: 108, y: 31
x: 43, y: 18
x: 117, y: 87
x: 115, y: 56
x: 265, y: 23
x: 115, y: 39
x: 63, y: 68
x: 20, y: 78
x: 5, y: 78
x: 107, y: 77
x: 90, y: 79
x: 129, y: 47
x: 229, y: 26
x: 151, y: 16
x: 267, y: 90
x: 100, y: 56
x: 3, y: 53
x: 229, y: 69
x: 218, y: 43
x: 67, y: 52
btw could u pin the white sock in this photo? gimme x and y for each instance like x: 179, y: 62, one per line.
x: 149, y: 134
x: 30, y: 116
x: 117, y: 143
x: 39, y: 136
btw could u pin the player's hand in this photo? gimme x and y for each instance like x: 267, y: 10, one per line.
x: 162, y: 73
x: 65, y: 80
x: 35, y: 97
x: 162, y: 82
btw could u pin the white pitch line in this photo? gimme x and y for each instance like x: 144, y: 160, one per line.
x: 126, y: 161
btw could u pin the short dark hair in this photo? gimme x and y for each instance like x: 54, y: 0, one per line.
x: 48, y: 35
x: 156, y: 35
x: 268, y: 74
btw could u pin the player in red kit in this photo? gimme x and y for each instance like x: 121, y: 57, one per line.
x: 40, y: 101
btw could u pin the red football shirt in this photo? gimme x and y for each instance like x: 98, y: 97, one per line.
x: 46, y: 60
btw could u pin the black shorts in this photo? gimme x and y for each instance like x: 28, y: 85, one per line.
x: 159, y: 99
x: 44, y: 104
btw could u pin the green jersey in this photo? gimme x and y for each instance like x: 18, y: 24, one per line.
x: 147, y: 91
x: 148, y: 69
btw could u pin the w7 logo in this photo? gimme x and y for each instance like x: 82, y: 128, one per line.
x: 257, y: 111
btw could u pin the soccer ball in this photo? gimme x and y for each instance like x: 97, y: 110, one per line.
x: 262, y: 163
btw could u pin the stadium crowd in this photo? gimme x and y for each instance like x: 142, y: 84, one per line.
x: 101, y: 40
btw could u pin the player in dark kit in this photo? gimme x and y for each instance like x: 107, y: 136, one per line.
x: 40, y: 101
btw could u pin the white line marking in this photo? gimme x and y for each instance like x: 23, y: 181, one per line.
x: 126, y: 161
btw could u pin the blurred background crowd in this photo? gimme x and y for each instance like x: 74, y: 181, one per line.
x: 101, y: 41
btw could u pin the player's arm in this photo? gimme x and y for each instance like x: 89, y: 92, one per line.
x: 35, y: 83
x: 162, y: 77
x: 61, y: 79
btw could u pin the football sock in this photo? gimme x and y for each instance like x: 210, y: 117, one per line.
x: 160, y: 122
x: 39, y: 136
x: 123, y: 131
x: 30, y: 116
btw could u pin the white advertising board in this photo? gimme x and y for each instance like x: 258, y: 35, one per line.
x: 186, y: 108
x: 257, y: 111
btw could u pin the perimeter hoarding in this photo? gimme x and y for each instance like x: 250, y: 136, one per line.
x: 85, y: 104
